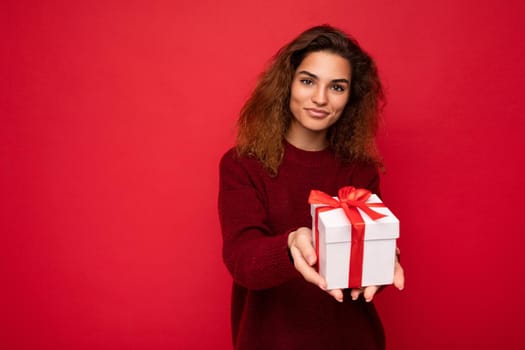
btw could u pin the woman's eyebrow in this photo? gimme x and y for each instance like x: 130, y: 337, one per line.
x: 341, y: 81
x: 313, y: 76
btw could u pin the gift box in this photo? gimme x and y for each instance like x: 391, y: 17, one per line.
x: 355, y: 238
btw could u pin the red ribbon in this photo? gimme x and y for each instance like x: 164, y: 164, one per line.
x: 349, y: 199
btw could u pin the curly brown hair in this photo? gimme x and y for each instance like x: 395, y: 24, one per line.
x: 266, y: 116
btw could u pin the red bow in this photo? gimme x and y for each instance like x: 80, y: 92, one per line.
x: 349, y: 199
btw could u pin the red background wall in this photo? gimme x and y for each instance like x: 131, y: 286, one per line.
x: 114, y: 115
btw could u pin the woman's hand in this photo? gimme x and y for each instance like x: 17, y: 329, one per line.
x: 370, y: 291
x: 304, y: 257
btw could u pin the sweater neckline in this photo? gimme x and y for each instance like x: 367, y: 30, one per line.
x: 307, y: 158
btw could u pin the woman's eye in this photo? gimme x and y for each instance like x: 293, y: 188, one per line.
x: 307, y: 81
x: 338, y: 88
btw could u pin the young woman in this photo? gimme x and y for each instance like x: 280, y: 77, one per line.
x: 309, y: 124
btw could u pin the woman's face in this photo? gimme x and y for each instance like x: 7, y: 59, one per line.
x: 319, y: 92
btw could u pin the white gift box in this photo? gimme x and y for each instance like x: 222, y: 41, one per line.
x: 335, y: 236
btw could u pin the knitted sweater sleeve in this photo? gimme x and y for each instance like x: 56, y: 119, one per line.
x: 255, y: 257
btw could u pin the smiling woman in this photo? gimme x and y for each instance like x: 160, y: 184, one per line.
x: 309, y: 124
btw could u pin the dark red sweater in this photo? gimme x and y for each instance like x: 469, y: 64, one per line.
x: 273, y: 307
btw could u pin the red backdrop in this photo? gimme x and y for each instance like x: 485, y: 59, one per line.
x: 114, y: 115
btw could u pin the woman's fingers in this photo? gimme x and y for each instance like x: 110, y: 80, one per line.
x: 369, y: 293
x: 304, y: 257
x: 302, y: 241
x: 337, y: 294
x: 399, y: 276
x: 304, y: 268
x: 354, y: 293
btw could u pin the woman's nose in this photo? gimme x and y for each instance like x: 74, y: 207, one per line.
x: 319, y: 96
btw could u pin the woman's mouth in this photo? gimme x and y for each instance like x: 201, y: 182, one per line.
x: 317, y: 113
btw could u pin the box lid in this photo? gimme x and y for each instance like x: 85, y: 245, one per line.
x: 340, y: 230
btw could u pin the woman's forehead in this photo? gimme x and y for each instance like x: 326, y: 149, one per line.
x: 325, y: 65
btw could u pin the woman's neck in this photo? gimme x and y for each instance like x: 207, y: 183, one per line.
x: 307, y: 140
